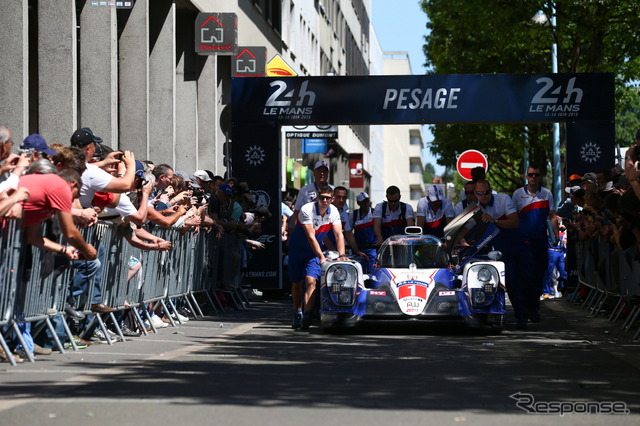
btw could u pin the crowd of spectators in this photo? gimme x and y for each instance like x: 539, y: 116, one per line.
x: 76, y: 185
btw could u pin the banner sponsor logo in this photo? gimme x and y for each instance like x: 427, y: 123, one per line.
x: 255, y: 155
x: 590, y: 152
x: 261, y: 198
x: 407, y: 98
x: 557, y: 101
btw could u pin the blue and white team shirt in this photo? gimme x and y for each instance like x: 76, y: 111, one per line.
x: 307, y: 194
x: 499, y: 207
x: 459, y: 208
x: 435, y: 220
x: 533, y: 211
x: 362, y: 227
x: 393, y: 222
x: 322, y: 224
x: 344, y: 218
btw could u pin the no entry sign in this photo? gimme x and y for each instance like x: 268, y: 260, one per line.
x: 470, y: 159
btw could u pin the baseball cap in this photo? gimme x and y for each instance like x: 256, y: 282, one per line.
x: 226, y: 189
x: 140, y: 169
x: 361, y: 197
x: 571, y: 189
x: 83, y: 137
x: 434, y: 193
x: 202, y: 175
x: 37, y: 142
x: 321, y: 163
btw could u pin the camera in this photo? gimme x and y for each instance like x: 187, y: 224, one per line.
x: 28, y: 151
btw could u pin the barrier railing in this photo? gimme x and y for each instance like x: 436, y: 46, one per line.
x: 34, y: 285
x: 609, y: 281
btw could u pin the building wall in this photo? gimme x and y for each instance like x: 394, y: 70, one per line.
x: 134, y: 78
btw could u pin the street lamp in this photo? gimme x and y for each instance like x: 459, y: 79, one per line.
x: 541, y: 18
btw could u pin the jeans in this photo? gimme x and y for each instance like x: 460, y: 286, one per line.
x: 88, y: 272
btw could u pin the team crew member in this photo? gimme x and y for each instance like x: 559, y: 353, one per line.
x: 361, y: 221
x: 535, y: 206
x: 500, y: 210
x: 392, y: 216
x: 309, y: 192
x: 434, y: 211
x: 315, y: 220
x: 340, y: 202
x: 469, y: 198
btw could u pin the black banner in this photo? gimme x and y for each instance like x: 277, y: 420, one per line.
x: 425, y: 99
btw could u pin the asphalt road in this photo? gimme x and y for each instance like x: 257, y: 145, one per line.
x: 250, y: 368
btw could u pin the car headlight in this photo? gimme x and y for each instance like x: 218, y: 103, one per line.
x: 484, y: 275
x: 341, y: 281
x: 340, y: 274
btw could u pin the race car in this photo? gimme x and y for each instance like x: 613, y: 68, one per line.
x: 421, y: 278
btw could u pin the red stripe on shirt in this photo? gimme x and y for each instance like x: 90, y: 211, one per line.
x: 397, y: 222
x: 435, y: 223
x: 544, y: 204
x: 364, y: 225
x: 324, y: 228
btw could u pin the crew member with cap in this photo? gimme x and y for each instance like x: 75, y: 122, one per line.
x: 535, y: 205
x: 434, y: 211
x: 362, y: 224
x: 392, y: 216
x: 310, y: 191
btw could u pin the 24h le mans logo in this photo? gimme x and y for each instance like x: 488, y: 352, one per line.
x: 255, y: 155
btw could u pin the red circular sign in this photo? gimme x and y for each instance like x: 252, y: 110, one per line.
x: 470, y: 159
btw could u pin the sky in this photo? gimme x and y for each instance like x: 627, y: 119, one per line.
x: 401, y: 26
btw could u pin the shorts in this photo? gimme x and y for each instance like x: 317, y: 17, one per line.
x: 303, y: 267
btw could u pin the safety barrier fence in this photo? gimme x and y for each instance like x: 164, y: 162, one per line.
x: 35, y: 285
x: 609, y: 282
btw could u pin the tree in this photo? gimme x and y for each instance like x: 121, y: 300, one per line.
x: 429, y: 173
x: 499, y: 36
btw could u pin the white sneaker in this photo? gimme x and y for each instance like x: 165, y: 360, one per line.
x: 181, y: 318
x: 157, y: 322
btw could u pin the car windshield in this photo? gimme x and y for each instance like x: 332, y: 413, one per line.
x: 425, y: 253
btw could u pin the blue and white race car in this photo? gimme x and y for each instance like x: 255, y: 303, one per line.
x: 418, y: 278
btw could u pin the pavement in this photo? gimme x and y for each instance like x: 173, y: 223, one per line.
x: 246, y: 367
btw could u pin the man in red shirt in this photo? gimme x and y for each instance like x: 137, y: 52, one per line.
x: 51, y: 194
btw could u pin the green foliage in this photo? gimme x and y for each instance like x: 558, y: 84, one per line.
x: 429, y: 173
x: 499, y: 36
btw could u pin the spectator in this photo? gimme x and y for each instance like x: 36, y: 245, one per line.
x: 13, y: 165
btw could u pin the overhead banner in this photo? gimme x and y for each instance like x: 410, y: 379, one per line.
x: 458, y: 98
x: 260, y: 106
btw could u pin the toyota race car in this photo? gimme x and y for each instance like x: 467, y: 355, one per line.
x: 421, y: 278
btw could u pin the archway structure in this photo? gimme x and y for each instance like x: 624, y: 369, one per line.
x: 585, y: 102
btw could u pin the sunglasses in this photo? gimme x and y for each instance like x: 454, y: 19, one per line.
x: 488, y: 191
x: 325, y: 198
x: 394, y: 201
x: 533, y: 174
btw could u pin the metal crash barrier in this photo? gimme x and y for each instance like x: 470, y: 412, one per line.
x: 609, y: 282
x: 35, y: 285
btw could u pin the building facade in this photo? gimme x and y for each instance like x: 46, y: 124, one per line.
x: 132, y: 74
